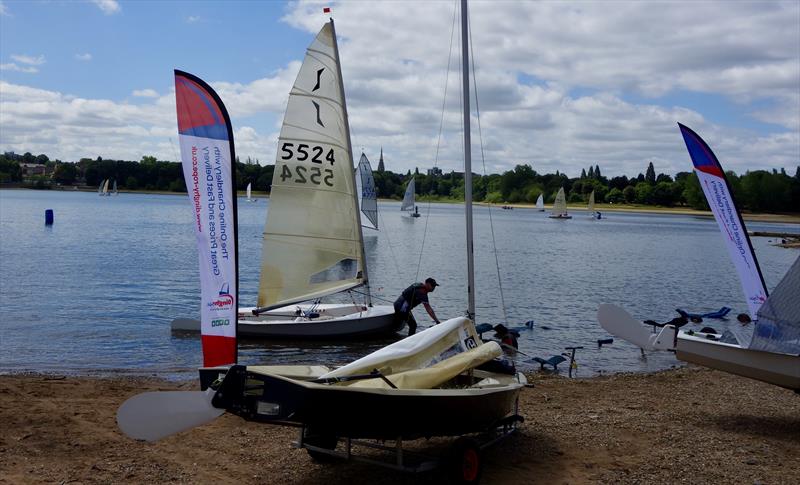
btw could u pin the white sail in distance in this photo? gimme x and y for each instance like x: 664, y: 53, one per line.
x: 560, y: 205
x: 249, y: 190
x: 591, y: 202
x: 312, y: 239
x: 367, y: 193
x: 540, y: 202
x: 408, y: 198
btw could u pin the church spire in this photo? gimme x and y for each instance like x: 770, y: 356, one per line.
x: 381, y: 168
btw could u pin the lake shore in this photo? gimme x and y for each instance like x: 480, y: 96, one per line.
x: 792, y: 218
x: 686, y: 424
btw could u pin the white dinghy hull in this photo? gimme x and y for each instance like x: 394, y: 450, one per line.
x: 331, y: 321
x: 779, y: 369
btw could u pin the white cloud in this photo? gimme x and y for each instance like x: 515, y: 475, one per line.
x: 145, y: 93
x: 4, y: 9
x: 86, y: 57
x: 192, y: 19
x: 109, y: 7
x: 13, y: 67
x: 562, y: 85
x: 30, y: 60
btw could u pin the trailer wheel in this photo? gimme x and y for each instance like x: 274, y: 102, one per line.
x: 326, y: 441
x: 465, y: 463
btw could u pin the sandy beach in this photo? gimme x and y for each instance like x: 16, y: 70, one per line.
x: 686, y: 424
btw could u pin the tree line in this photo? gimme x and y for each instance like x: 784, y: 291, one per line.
x: 758, y: 190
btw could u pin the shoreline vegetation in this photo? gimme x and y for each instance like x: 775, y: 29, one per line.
x: 688, y: 423
x: 786, y: 218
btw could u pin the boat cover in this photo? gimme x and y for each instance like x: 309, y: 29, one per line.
x: 418, y: 351
x: 438, y: 373
x: 778, y: 325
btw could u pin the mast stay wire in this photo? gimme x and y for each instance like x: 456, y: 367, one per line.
x: 483, y: 160
x: 439, y: 138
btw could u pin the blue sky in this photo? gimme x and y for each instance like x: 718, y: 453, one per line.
x: 563, y: 85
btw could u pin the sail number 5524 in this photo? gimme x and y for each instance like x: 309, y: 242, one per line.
x: 288, y: 151
x: 304, y: 175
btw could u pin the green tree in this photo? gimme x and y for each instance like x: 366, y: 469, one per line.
x: 644, y: 193
x: 629, y: 193
x: 614, y: 196
x: 65, y: 173
x: 650, y: 175
x: 693, y: 193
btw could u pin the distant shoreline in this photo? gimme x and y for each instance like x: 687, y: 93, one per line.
x: 791, y: 218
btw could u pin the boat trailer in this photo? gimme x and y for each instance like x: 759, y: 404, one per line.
x: 462, y: 461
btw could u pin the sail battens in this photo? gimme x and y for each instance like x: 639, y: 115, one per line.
x: 312, y: 242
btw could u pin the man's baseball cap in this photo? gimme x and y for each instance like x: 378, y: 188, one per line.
x: 432, y: 282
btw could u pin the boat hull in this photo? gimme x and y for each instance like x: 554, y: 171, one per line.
x: 346, y: 412
x: 334, y: 321
x: 779, y: 369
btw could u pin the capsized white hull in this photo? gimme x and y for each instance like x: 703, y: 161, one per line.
x: 323, y: 321
x: 779, y: 369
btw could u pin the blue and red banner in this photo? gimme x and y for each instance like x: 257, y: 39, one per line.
x: 720, y: 199
x: 207, y: 154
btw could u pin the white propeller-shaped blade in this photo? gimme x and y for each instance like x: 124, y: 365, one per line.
x: 151, y: 416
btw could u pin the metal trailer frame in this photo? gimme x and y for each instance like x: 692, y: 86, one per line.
x: 412, y: 461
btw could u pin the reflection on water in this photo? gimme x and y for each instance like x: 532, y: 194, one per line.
x: 97, y: 290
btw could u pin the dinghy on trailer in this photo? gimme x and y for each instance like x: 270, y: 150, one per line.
x: 438, y: 370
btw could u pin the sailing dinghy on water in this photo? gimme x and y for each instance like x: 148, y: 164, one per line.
x: 250, y: 192
x: 771, y: 353
x: 560, y: 206
x: 540, y: 203
x: 409, y: 204
x: 590, y: 207
x: 103, y: 189
x: 436, y: 370
x: 365, y: 188
x: 313, y: 246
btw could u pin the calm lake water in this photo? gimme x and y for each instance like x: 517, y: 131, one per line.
x: 95, y: 293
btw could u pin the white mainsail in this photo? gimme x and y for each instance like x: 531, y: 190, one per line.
x: 591, y: 202
x: 368, y: 195
x: 560, y: 205
x: 249, y: 190
x: 312, y: 239
x: 115, y: 187
x: 540, y: 203
x: 408, y: 198
x: 105, y: 187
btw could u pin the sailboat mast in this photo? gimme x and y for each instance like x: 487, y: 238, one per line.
x: 356, y: 205
x: 467, y: 159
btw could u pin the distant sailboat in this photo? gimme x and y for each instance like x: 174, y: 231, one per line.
x: 115, y: 188
x: 103, y: 190
x: 365, y: 188
x: 249, y: 193
x: 560, y: 206
x: 540, y: 203
x: 409, y: 204
x: 595, y: 214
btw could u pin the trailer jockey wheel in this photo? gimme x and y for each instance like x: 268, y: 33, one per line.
x: 465, y: 463
x: 326, y: 441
